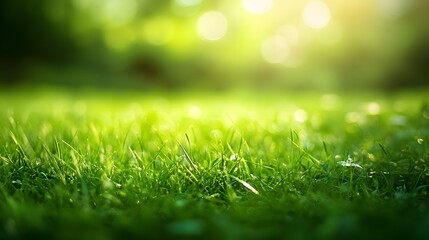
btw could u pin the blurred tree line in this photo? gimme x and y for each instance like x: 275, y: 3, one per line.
x: 64, y: 43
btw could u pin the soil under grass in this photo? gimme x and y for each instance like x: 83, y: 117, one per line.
x: 93, y: 165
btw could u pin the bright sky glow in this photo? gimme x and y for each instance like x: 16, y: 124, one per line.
x: 316, y: 14
x: 257, y: 6
x: 212, y: 26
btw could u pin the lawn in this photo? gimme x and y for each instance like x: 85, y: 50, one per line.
x: 238, y: 165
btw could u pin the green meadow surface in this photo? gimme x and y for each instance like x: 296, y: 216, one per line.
x: 237, y: 165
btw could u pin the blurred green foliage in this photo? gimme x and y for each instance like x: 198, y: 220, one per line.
x: 325, y: 45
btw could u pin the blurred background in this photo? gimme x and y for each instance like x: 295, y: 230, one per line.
x: 216, y: 44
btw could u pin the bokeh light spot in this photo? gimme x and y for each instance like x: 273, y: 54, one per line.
x: 300, y: 115
x: 316, y: 14
x: 373, y: 108
x: 330, y: 102
x: 119, y: 12
x: 392, y: 8
x: 188, y: 2
x: 185, y: 7
x: 354, y: 117
x: 290, y: 33
x: 194, y: 112
x: 212, y: 26
x: 275, y: 49
x: 257, y: 6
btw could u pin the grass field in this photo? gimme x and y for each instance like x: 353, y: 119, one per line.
x: 94, y: 165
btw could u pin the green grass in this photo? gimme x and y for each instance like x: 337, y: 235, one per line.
x: 269, y: 165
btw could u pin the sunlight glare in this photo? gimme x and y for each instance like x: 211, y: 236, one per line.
x: 316, y: 14
x: 257, y: 6
x: 212, y: 26
x: 300, y: 115
x: 194, y: 112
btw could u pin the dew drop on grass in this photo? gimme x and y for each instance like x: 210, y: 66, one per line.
x: 349, y: 163
x: 18, y: 182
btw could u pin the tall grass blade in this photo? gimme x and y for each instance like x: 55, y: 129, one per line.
x: 245, y: 184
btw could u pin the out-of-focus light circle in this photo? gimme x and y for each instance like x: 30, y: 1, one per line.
x: 275, y: 49
x: 188, y: 2
x: 373, y: 108
x: 290, y: 33
x: 300, y: 115
x: 119, y: 12
x: 316, y: 14
x: 392, y: 8
x: 194, y: 112
x: 185, y: 8
x: 212, y: 26
x: 257, y: 6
